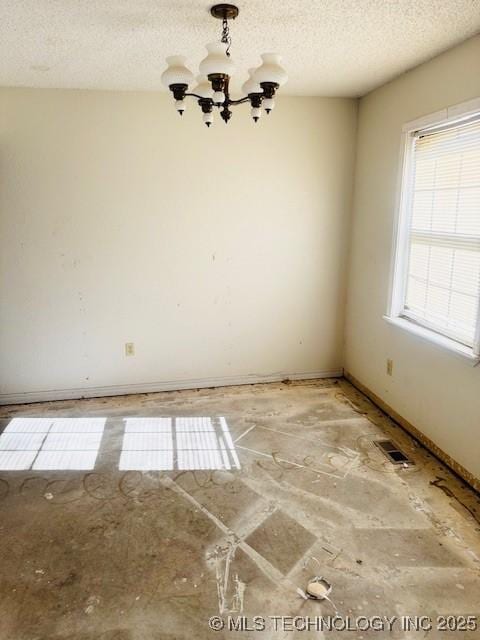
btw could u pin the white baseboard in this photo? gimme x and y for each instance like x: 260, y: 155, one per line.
x: 152, y: 387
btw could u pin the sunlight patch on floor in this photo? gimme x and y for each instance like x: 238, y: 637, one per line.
x: 51, y: 444
x: 165, y: 444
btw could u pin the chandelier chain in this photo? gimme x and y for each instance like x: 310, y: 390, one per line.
x: 226, y: 38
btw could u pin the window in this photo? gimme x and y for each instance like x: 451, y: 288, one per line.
x: 437, y: 265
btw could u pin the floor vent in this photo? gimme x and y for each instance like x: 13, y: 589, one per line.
x: 392, y: 452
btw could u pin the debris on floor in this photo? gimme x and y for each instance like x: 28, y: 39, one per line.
x: 318, y: 588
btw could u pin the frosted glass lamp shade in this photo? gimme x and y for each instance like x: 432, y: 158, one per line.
x: 268, y: 104
x: 176, y: 72
x: 251, y: 86
x: 256, y: 112
x: 270, y: 70
x: 217, y: 60
x: 180, y: 106
x: 203, y: 88
x: 218, y: 96
x: 208, y: 118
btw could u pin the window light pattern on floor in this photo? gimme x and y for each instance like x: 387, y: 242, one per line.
x: 165, y: 444
x: 51, y: 444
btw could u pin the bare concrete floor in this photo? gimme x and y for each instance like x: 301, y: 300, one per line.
x: 111, y: 554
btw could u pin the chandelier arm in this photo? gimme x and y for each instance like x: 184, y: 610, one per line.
x: 240, y: 101
x: 229, y: 102
x: 195, y: 95
x: 218, y: 104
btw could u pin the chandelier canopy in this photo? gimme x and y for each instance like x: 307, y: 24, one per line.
x: 212, y: 88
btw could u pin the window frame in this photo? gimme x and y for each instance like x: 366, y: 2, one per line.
x: 401, y: 233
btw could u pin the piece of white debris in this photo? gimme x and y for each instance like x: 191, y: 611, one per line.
x: 318, y: 588
x: 137, y: 598
x: 40, y: 571
x: 48, y: 496
x: 460, y: 586
x: 92, y: 601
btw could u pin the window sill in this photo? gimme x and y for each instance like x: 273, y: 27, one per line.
x: 448, y: 344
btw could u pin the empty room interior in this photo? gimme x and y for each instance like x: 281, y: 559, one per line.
x: 239, y: 319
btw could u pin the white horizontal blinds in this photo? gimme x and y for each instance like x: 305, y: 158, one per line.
x: 443, y: 273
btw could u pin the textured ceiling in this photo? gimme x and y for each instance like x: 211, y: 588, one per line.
x: 330, y: 47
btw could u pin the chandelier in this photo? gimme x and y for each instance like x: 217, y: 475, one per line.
x: 212, y: 89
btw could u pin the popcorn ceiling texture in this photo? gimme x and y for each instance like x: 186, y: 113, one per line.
x: 330, y: 47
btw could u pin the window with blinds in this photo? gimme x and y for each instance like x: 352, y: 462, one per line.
x: 441, y: 288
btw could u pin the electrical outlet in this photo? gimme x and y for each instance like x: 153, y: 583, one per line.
x: 129, y: 349
x: 389, y: 367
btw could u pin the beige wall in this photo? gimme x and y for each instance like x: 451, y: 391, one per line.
x: 436, y: 391
x: 220, y: 253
